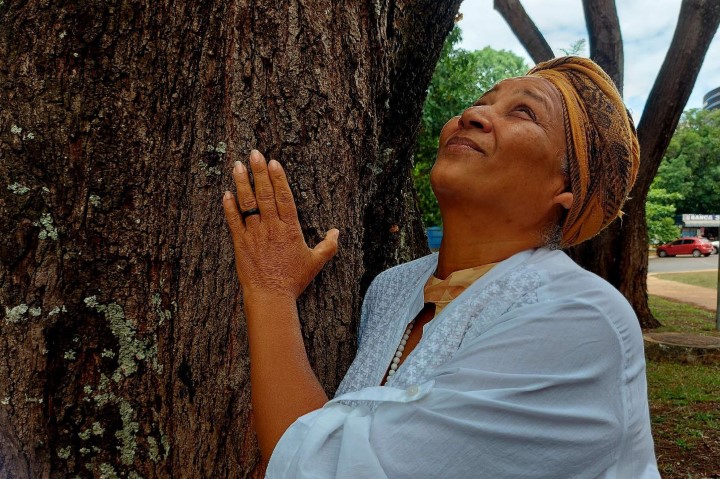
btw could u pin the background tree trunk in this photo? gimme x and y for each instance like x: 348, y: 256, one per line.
x: 606, y: 46
x: 524, y: 29
x: 619, y: 253
x: 124, y: 346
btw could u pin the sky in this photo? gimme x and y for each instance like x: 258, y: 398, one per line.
x: 647, y: 27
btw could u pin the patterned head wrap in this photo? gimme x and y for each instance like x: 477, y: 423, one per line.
x: 602, y: 147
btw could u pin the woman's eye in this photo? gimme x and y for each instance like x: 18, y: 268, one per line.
x: 527, y: 111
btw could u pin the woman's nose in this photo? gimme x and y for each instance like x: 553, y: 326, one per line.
x: 476, y: 117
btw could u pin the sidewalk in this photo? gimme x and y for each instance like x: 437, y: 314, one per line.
x: 705, y: 298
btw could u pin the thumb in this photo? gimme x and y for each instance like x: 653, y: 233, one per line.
x: 327, y: 248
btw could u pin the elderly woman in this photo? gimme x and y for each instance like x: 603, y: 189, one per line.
x: 498, y: 357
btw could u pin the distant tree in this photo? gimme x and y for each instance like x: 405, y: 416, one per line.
x: 691, y: 165
x: 673, y: 175
x: 619, y: 254
x: 660, y: 215
x: 460, y: 77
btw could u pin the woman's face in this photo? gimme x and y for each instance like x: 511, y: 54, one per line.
x: 503, y: 156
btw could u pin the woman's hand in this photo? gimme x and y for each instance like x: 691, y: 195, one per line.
x: 274, y: 265
x: 271, y: 255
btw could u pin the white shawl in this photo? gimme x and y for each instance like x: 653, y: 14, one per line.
x: 536, y: 370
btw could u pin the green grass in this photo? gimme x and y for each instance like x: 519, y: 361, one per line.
x: 705, y: 279
x: 685, y: 414
x: 680, y: 385
x: 679, y: 317
x: 684, y: 399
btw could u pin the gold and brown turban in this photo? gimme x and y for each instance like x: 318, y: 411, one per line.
x: 602, y: 147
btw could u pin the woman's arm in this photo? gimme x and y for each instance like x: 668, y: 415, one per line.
x: 274, y: 266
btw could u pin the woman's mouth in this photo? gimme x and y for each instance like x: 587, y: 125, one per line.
x: 460, y: 142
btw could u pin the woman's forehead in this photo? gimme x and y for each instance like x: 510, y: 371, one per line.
x: 537, y: 88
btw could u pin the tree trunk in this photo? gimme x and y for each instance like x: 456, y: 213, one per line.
x: 124, y: 344
x: 606, y: 46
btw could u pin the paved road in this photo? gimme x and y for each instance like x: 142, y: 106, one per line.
x: 682, y: 263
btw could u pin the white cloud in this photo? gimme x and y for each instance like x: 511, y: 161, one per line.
x: 647, y: 28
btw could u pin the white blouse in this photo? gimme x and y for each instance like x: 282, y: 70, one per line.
x: 535, y: 371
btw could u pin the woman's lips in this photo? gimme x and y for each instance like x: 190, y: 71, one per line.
x: 464, y: 143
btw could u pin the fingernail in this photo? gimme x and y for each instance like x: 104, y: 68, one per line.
x: 273, y: 165
x: 227, y: 195
x: 239, y: 167
x: 255, y: 156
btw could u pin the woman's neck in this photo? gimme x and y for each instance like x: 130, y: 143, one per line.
x: 462, y: 249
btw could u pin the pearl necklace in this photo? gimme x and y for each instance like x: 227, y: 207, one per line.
x: 399, y: 351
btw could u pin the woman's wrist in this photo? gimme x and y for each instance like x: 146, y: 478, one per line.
x: 259, y: 296
x: 268, y: 310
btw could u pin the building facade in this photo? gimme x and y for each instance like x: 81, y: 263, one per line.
x: 700, y: 225
x: 711, y: 100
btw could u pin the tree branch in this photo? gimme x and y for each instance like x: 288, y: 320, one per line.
x: 524, y: 29
x: 697, y: 23
x: 606, y: 46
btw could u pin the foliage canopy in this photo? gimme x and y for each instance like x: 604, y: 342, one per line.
x: 691, y: 165
x: 659, y: 214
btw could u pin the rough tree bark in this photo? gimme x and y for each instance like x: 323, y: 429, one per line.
x: 619, y: 254
x: 123, y: 343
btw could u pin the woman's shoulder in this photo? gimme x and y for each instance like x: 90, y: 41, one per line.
x: 399, y: 284
x: 568, y: 288
x: 406, y: 272
x: 564, y: 277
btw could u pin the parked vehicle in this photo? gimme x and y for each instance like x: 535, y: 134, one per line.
x: 716, y: 246
x: 694, y: 246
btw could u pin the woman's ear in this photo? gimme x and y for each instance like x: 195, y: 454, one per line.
x: 565, y: 199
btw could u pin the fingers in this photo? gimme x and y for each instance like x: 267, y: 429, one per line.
x: 327, y: 248
x: 264, y: 194
x: 246, y: 196
x: 232, y: 215
x: 283, y: 195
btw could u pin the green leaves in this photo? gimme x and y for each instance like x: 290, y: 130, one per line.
x: 659, y: 214
x: 691, y: 166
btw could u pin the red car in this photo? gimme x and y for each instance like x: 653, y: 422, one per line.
x: 694, y: 246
